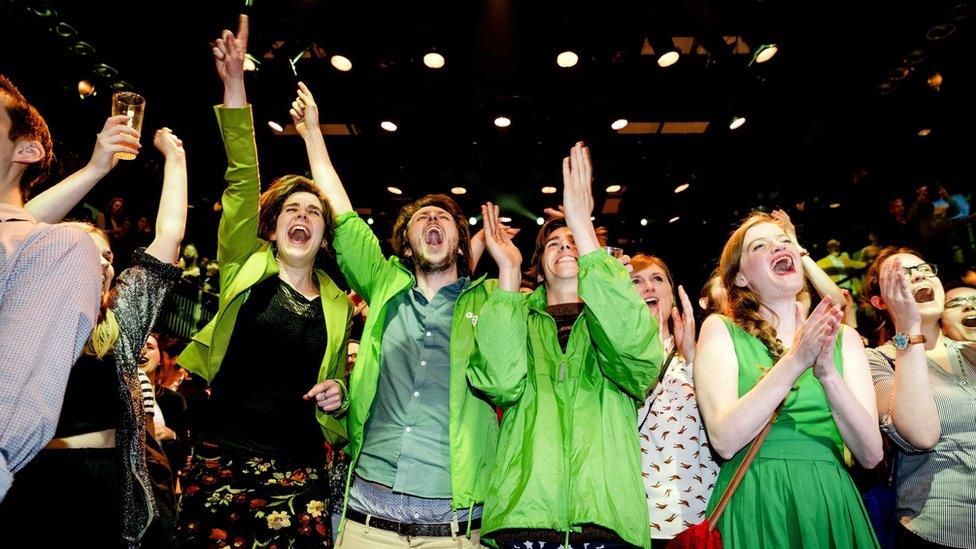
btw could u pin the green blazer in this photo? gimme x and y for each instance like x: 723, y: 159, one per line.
x: 246, y: 259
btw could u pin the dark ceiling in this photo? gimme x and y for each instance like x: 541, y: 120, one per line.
x: 832, y: 119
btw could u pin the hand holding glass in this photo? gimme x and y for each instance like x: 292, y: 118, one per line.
x: 132, y: 105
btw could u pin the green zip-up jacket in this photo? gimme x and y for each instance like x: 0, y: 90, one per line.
x: 246, y: 259
x: 473, y: 425
x: 568, y: 452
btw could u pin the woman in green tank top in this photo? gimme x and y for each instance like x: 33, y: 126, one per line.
x: 797, y: 492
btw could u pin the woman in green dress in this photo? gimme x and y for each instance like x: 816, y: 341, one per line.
x: 797, y: 492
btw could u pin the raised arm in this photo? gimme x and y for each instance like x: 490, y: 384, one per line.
x: 305, y: 114
x: 578, y: 198
x: 733, y: 421
x: 819, y: 279
x: 171, y: 218
x: 53, y: 204
x: 229, y: 52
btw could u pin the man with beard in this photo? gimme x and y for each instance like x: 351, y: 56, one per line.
x: 422, y: 440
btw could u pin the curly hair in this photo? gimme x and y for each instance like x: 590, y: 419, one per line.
x: 401, y: 230
x: 744, y: 304
x: 27, y: 123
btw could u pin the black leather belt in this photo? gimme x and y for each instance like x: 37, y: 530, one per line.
x: 440, y: 530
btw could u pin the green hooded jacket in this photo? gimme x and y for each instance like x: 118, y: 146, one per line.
x: 246, y: 259
x: 568, y: 453
x: 473, y: 424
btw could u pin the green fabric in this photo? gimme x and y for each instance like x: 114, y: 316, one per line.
x: 414, y: 394
x: 797, y: 492
x: 245, y: 260
x: 473, y: 424
x: 568, y: 451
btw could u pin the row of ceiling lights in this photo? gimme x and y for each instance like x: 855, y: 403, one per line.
x: 611, y: 189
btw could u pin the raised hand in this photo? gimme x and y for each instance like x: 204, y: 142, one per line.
x: 898, y: 299
x: 809, y: 334
x: 684, y: 326
x: 784, y: 221
x: 327, y: 395
x: 229, y: 52
x: 578, y: 185
x: 304, y: 112
x: 167, y: 143
x: 506, y: 254
x: 553, y: 212
x: 824, y: 366
x: 116, y: 137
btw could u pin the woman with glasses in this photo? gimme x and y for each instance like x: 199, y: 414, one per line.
x: 959, y: 316
x: 926, y: 390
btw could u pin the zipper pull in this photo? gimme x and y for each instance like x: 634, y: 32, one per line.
x: 562, y: 370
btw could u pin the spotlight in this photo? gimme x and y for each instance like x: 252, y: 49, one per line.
x: 737, y: 122
x: 85, y: 88
x: 275, y: 126
x: 619, y: 124
x: 505, y: 219
x: 613, y: 189
x: 341, y: 63
x: 668, y: 58
x: 766, y: 52
x: 472, y: 221
x: 834, y: 205
x: 549, y: 190
x: 643, y: 222
x: 935, y: 81
x: 458, y: 190
x: 369, y: 221
x: 567, y: 59
x: 434, y: 60
x: 539, y: 221
x: 674, y: 219
x: 924, y: 132
x: 388, y: 126
x: 394, y: 190
x: 503, y: 122
x: 682, y: 187
x: 250, y: 62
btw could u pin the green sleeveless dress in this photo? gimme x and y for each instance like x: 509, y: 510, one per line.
x: 797, y: 492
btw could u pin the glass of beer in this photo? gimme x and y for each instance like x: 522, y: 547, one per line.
x: 614, y: 251
x: 132, y: 105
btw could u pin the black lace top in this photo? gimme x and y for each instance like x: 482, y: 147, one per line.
x: 272, y: 360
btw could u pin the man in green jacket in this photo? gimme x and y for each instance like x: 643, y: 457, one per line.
x: 568, y: 364
x: 421, y: 439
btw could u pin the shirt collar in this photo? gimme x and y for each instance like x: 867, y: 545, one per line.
x: 9, y: 212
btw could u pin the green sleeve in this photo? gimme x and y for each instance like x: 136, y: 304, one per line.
x: 360, y: 257
x: 237, y: 236
x: 502, y: 338
x: 625, y: 334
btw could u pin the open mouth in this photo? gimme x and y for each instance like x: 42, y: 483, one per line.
x: 651, y: 301
x: 566, y: 259
x: 299, y: 234
x: 969, y: 321
x: 923, y: 295
x: 143, y: 359
x: 783, y: 265
x: 434, y: 236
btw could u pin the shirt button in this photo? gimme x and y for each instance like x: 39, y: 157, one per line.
x: 427, y: 334
x: 423, y: 362
x: 408, y: 429
x: 416, y: 393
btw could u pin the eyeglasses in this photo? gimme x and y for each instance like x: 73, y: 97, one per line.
x: 924, y: 269
x: 959, y: 302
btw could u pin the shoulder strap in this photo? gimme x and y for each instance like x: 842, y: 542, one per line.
x: 741, y: 470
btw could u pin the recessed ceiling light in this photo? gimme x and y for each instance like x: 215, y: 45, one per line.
x: 567, y: 59
x: 369, y: 221
x: 766, y: 52
x: 388, y: 126
x: 669, y: 58
x: 85, y: 88
x: 394, y: 190
x: 835, y: 205
x: 458, y: 190
x: 341, y: 63
x: 503, y: 122
x: 924, y: 131
x: 737, y: 122
x: 472, y: 221
x: 674, y: 219
x: 682, y: 187
x: 275, y: 126
x: 434, y: 60
x: 549, y: 190
x: 613, y: 188
x: 643, y: 222
x: 539, y: 221
x: 505, y: 219
x: 250, y: 63
x: 619, y: 124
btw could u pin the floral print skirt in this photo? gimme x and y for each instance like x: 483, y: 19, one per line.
x: 233, y: 498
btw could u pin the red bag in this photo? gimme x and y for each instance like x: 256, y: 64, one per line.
x: 705, y: 534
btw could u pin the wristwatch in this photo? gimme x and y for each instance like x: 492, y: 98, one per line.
x: 901, y: 341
